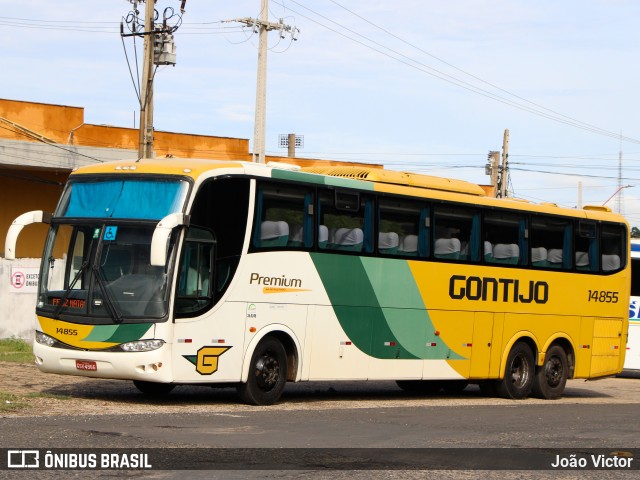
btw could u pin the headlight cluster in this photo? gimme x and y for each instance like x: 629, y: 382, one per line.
x: 45, y: 339
x: 142, y: 345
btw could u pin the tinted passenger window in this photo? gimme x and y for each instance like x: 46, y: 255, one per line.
x: 504, y: 238
x: 283, y: 218
x: 613, y: 240
x: 551, y: 242
x: 345, y: 222
x: 403, y: 228
x: 456, y: 233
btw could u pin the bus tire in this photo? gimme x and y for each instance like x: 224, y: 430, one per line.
x: 267, y: 374
x: 422, y: 387
x: 154, y: 388
x: 551, y: 377
x: 518, y: 374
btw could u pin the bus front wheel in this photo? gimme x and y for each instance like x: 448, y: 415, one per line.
x: 551, y: 377
x: 518, y: 375
x: 267, y: 374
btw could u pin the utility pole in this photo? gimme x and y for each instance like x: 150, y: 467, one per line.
x: 260, y: 123
x: 145, y: 144
x: 504, y: 170
x: 159, y: 49
x: 492, y: 168
x: 262, y: 26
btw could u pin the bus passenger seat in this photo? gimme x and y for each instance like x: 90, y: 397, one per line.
x: 539, y: 257
x: 610, y: 262
x: 508, y: 253
x: 488, y: 251
x: 349, y: 239
x: 274, y: 234
x: 448, y: 248
x: 388, y: 243
x: 409, y: 246
x: 554, y: 258
x: 323, y: 236
x: 582, y: 260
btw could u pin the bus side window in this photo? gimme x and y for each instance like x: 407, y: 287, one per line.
x: 505, y: 238
x: 613, y: 244
x: 456, y: 233
x: 194, y: 289
x: 398, y: 227
x: 345, y: 221
x: 553, y: 235
x: 587, y: 251
x: 283, y: 217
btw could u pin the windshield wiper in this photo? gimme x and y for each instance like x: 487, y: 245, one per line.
x: 113, y: 311
x: 66, y: 293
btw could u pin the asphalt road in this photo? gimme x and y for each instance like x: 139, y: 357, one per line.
x: 599, y: 415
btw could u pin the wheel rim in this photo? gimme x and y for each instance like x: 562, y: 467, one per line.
x: 520, y: 371
x: 554, y: 371
x: 267, y: 372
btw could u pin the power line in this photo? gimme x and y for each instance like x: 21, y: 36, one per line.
x: 535, y: 108
x: 538, y: 110
x: 35, y: 137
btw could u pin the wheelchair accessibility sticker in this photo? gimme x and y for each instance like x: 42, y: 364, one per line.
x: 110, y: 233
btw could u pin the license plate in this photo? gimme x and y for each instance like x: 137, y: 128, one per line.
x: 87, y: 365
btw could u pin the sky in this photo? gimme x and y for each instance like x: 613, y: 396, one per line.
x: 425, y: 86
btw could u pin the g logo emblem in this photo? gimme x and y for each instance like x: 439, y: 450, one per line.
x: 207, y: 360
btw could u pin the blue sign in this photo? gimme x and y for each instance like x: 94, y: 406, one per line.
x: 110, y: 233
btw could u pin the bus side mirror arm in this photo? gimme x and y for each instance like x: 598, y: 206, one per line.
x: 161, y: 234
x: 35, y: 216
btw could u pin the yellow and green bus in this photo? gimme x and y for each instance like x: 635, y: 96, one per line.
x: 170, y: 272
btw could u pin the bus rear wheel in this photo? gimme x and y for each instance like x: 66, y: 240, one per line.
x: 267, y: 374
x: 153, y: 388
x: 551, y: 377
x: 518, y: 374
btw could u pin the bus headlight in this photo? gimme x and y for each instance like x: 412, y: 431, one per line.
x: 45, y: 339
x: 142, y: 345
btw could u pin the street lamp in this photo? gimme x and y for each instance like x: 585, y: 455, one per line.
x: 616, y: 192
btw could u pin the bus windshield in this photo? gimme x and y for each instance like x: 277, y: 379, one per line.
x: 102, y: 273
x: 97, y: 267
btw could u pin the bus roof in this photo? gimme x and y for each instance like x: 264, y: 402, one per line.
x: 346, y: 176
x: 164, y: 166
x: 400, y: 178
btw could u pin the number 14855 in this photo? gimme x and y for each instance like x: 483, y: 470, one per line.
x: 603, y: 296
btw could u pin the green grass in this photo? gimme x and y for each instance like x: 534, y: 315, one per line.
x: 12, y: 403
x: 15, y: 350
x: 19, y: 351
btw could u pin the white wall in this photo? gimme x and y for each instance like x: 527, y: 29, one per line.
x: 17, y: 310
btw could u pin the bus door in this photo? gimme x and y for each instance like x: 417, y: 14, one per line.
x: 204, y: 339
